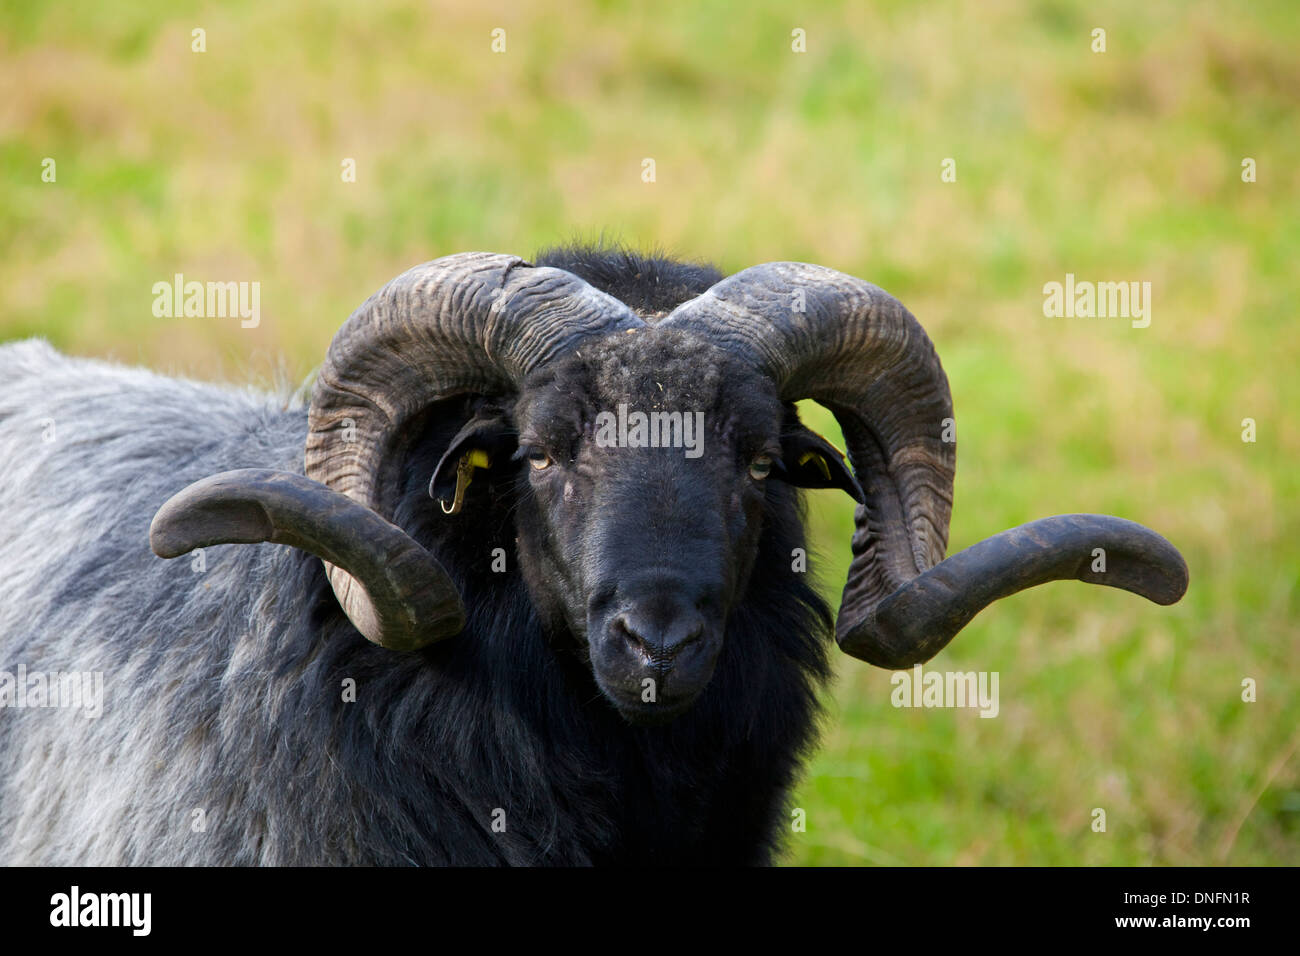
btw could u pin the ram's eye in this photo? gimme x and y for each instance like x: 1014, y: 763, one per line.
x: 760, y: 467
x: 539, y: 460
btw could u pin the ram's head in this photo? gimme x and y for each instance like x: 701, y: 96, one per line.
x: 648, y: 450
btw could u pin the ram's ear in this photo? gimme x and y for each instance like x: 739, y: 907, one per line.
x: 488, y: 438
x: 809, y: 461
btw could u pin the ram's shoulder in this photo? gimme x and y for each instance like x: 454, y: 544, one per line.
x: 97, y: 403
x: 27, y: 359
x: 32, y: 370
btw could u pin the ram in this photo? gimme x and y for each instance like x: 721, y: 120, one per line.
x: 490, y: 625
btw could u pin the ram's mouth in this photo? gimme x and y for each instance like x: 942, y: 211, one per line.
x: 641, y: 713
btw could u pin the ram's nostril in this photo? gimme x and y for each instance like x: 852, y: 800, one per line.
x: 625, y: 631
x: 659, y: 642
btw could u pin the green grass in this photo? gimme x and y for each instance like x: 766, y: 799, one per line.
x: 1113, y: 166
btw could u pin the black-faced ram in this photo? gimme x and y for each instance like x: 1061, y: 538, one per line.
x: 529, y: 595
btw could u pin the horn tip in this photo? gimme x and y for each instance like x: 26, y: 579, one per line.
x: 165, y: 538
x: 1175, y: 579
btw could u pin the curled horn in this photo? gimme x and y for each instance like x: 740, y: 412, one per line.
x: 855, y: 349
x: 252, y: 505
x: 469, y: 323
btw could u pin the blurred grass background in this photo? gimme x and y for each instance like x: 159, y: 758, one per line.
x: 1123, y: 165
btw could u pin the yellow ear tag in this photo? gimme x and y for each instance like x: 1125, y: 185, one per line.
x: 474, y: 458
x: 829, y: 442
x: 821, y: 463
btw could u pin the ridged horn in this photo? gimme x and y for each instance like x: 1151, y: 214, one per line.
x: 855, y: 349
x: 469, y: 323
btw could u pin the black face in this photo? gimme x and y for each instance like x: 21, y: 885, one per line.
x: 640, y: 551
